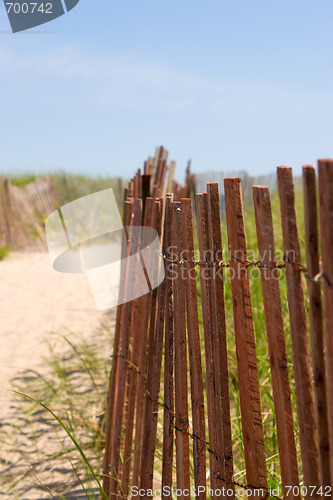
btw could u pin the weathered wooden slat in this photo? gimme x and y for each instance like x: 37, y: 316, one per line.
x: 132, y: 369
x: 219, y: 338
x: 169, y: 389
x: 121, y: 376
x: 145, y: 192
x: 205, y: 277
x: 276, y: 340
x: 253, y: 439
x: 316, y: 318
x: 302, y: 373
x: 173, y: 307
x: 113, y: 384
x: 155, y: 346
x: 5, y: 226
x: 142, y: 326
x: 325, y: 181
x: 181, y: 390
x: 170, y: 178
x: 196, y: 378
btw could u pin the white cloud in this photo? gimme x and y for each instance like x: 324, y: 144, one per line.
x: 122, y: 81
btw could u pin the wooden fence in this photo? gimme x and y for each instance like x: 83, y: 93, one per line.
x: 23, y: 210
x: 169, y: 397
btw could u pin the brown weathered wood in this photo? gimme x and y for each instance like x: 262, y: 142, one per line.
x: 123, y: 363
x: 113, y: 385
x: 325, y: 178
x: 153, y: 377
x: 175, y: 304
x: 276, y: 340
x: 119, y: 401
x: 160, y: 159
x: 171, y: 175
x: 196, y: 378
x: 181, y: 390
x: 127, y: 193
x: 205, y: 277
x: 253, y: 439
x: 132, y: 370
x: 169, y: 389
x: 316, y: 318
x: 219, y: 346
x: 145, y: 192
x: 302, y: 373
x: 142, y: 326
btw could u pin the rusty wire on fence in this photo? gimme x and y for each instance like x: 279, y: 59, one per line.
x: 161, y: 329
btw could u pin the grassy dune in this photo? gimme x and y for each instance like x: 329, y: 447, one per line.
x: 75, y: 387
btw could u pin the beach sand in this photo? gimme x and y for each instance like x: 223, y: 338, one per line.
x: 37, y: 303
x: 35, y: 300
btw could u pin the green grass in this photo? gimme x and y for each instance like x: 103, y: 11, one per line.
x: 23, y: 179
x: 69, y: 187
x: 4, y: 251
x: 265, y: 383
x: 59, y: 421
x: 82, y: 413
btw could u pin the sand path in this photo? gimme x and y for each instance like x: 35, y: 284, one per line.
x: 35, y: 300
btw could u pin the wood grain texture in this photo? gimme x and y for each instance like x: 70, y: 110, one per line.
x: 325, y: 181
x: 194, y: 351
x: 142, y: 326
x: 169, y: 388
x: 253, y: 439
x: 302, y: 373
x: 126, y: 332
x: 113, y: 384
x: 154, y: 359
x: 316, y: 318
x: 205, y: 277
x: 276, y: 339
x: 220, y: 355
x: 132, y: 367
x: 181, y: 386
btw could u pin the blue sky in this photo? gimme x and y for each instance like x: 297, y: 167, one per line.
x: 232, y: 84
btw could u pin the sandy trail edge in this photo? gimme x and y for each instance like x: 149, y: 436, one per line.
x: 34, y: 301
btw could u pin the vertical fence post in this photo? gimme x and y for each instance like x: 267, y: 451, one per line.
x: 169, y: 396
x: 304, y: 396
x: 181, y: 402
x: 154, y: 359
x: 113, y: 384
x: 132, y: 368
x: 173, y: 308
x: 205, y: 275
x: 252, y: 429
x: 145, y: 192
x: 325, y: 169
x: 142, y: 326
x: 276, y: 341
x: 196, y: 378
x: 220, y: 355
x: 120, y: 392
x: 316, y: 318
